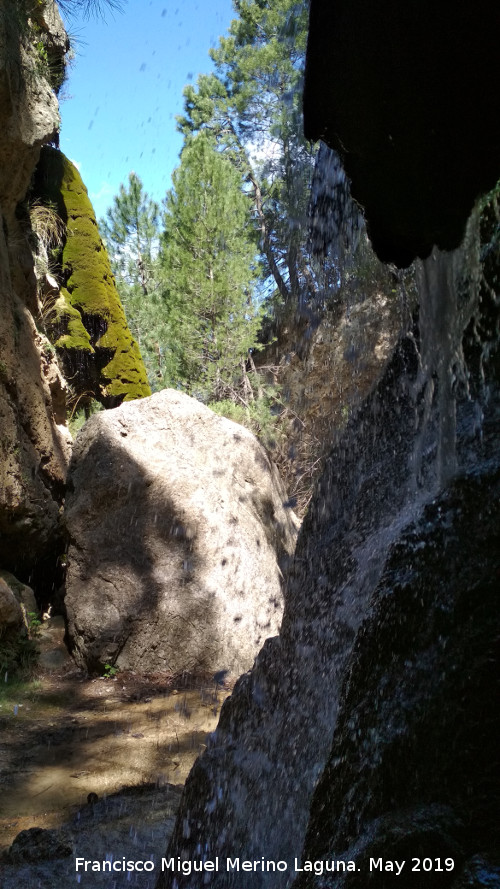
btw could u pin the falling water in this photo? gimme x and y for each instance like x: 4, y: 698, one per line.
x: 449, y: 289
x: 248, y: 796
x: 335, y: 219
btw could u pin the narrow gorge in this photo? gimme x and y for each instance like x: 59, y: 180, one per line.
x: 358, y: 644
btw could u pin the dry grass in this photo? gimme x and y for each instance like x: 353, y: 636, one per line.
x: 49, y: 228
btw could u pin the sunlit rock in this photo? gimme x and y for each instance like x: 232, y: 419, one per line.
x: 178, y: 540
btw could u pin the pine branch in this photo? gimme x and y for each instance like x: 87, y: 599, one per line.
x: 266, y: 243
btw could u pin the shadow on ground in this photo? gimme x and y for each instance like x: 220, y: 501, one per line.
x: 65, y: 736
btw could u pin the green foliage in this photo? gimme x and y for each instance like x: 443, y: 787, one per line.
x: 252, y: 107
x: 110, y: 671
x: 232, y: 410
x: 260, y: 415
x: 18, y: 655
x: 131, y: 231
x: 80, y: 413
x: 235, y: 222
x: 41, y: 51
x: 208, y: 269
x: 34, y: 624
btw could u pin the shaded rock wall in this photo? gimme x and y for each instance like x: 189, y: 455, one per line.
x: 34, y: 444
x: 434, y: 413
x: 402, y: 92
x: 413, y: 769
x: 85, y: 317
x: 177, y: 533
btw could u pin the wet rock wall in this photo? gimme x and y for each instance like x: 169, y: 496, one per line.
x: 431, y: 422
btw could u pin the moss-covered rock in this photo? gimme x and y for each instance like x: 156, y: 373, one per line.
x: 87, y: 322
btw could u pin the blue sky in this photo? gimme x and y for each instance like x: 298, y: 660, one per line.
x: 125, y: 87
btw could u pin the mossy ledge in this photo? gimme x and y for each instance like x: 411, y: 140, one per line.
x: 100, y: 357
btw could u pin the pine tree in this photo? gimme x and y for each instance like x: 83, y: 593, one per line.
x: 131, y: 231
x: 208, y: 261
x: 252, y: 107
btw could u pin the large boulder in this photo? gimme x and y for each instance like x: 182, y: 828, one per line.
x: 178, y: 540
x: 11, y: 614
x: 23, y: 593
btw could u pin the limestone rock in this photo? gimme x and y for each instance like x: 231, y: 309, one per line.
x: 328, y: 361
x: 379, y: 76
x: 11, y: 614
x: 413, y: 440
x: 86, y: 319
x: 178, y: 540
x: 38, y: 844
x: 416, y: 737
x: 23, y: 593
x: 34, y: 445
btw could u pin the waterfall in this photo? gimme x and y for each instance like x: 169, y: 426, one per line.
x: 431, y: 418
x: 335, y: 220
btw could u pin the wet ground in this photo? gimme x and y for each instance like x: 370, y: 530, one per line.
x: 130, y: 740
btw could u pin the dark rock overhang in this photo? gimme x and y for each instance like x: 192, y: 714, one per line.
x: 407, y: 93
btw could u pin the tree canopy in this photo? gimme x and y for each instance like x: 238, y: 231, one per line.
x: 232, y: 239
x: 208, y: 266
x: 251, y: 106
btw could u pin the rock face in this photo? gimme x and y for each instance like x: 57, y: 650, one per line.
x: 11, y: 615
x: 431, y: 425
x: 177, y: 533
x: 85, y: 316
x: 413, y: 765
x: 401, y: 93
x: 37, y: 844
x: 34, y: 444
x: 24, y: 594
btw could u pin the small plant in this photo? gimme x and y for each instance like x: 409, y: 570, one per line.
x: 80, y: 413
x: 49, y: 350
x: 18, y: 656
x: 47, y: 224
x: 41, y: 51
x: 47, y: 236
x: 110, y: 671
x: 34, y: 624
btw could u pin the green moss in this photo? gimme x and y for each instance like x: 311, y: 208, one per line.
x: 88, y: 315
x: 67, y: 317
